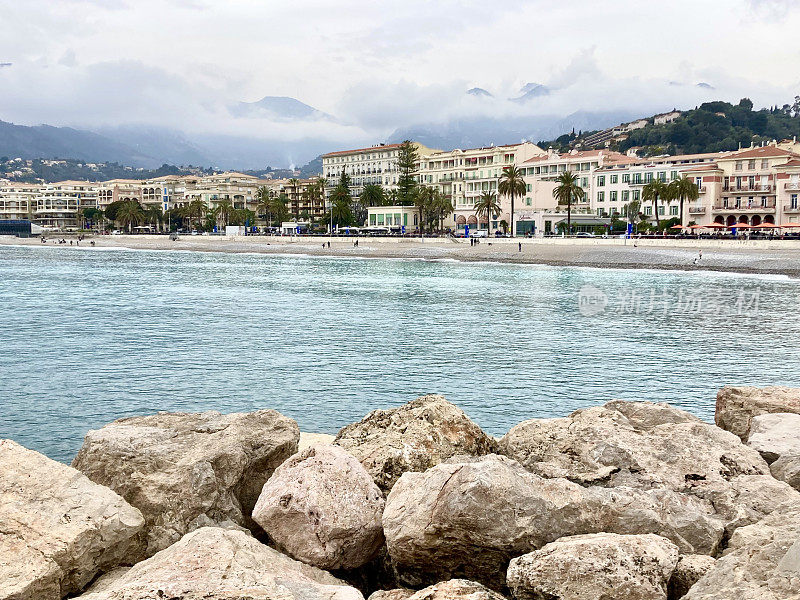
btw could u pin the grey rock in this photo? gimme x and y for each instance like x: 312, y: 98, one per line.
x: 688, y: 571
x: 396, y: 594
x: 58, y: 530
x: 413, y: 437
x: 650, y: 446
x: 761, y: 562
x: 469, y: 518
x: 774, y: 435
x: 323, y: 508
x: 736, y: 406
x: 222, y: 564
x: 787, y: 468
x: 588, y: 567
x: 456, y: 589
x: 188, y: 470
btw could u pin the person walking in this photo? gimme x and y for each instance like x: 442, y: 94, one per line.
x: 520, y: 246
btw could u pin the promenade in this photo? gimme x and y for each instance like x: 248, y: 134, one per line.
x: 753, y: 256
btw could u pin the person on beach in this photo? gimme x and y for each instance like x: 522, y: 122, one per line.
x: 520, y: 246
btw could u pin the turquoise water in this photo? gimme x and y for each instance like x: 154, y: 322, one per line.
x: 89, y: 336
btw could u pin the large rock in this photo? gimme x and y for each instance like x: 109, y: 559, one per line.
x: 787, y: 468
x: 644, y: 445
x: 413, y: 437
x: 689, y: 570
x: 736, y: 406
x: 58, y: 530
x: 469, y: 518
x: 396, y: 594
x: 456, y: 589
x: 602, y: 565
x: 775, y: 434
x: 222, y: 564
x: 185, y: 470
x: 323, y: 508
x: 761, y: 562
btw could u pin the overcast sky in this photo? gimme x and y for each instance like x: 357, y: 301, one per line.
x: 377, y: 66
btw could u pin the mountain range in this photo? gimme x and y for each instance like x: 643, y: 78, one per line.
x: 150, y: 147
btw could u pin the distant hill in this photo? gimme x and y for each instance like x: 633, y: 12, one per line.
x: 46, y: 170
x: 711, y: 127
x: 280, y: 108
x: 476, y: 132
x: 44, y: 141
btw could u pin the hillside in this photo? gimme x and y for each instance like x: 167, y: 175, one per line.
x: 711, y: 127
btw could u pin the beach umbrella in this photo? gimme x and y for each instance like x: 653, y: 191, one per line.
x: 742, y: 226
x: 677, y: 227
x: 788, y: 225
x: 764, y: 226
x: 716, y: 226
x: 696, y: 226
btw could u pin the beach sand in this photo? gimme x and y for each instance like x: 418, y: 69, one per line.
x: 762, y: 257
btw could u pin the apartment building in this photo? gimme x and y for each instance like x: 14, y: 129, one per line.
x: 17, y: 200
x: 60, y: 204
x: 541, y: 174
x: 115, y: 190
x: 616, y: 184
x: 375, y: 165
x: 463, y: 175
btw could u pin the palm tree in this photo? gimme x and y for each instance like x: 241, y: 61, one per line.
x: 442, y: 206
x: 651, y: 192
x: 372, y: 195
x: 154, y: 215
x: 511, y: 184
x: 566, y: 191
x: 223, y: 210
x: 264, y: 202
x: 487, y: 205
x: 682, y: 189
x: 422, y: 199
x: 130, y: 213
x: 196, y: 210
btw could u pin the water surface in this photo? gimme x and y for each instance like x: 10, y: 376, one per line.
x: 92, y: 335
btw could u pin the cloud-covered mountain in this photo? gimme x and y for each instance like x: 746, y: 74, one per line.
x: 479, y: 92
x: 530, y: 91
x: 280, y: 108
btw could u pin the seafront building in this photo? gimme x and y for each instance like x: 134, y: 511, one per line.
x: 375, y: 165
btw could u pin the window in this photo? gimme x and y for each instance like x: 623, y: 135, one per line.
x: 673, y: 210
x: 662, y: 175
x: 765, y: 164
x: 751, y: 165
x: 380, y: 219
x: 793, y: 201
x: 599, y: 212
x: 739, y: 165
x: 601, y: 181
x: 648, y: 177
x: 625, y: 195
x: 601, y: 196
x: 661, y: 210
x: 626, y: 178
x: 613, y: 196
x: 614, y: 178
x: 674, y: 175
x: 527, y: 202
x: 527, y: 187
x: 636, y: 194
x: 648, y: 210
x: 405, y: 219
x: 372, y: 219
x: 585, y: 182
x: 637, y: 178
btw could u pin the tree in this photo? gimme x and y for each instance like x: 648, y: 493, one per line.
x: 223, y: 211
x: 407, y: 164
x: 154, y: 215
x: 632, y: 211
x: 264, y: 202
x: 652, y: 192
x: 511, y: 184
x: 440, y: 207
x: 129, y: 214
x: 372, y: 195
x: 196, y: 210
x: 319, y: 191
x: 422, y: 200
x: 341, y: 200
x: 279, y: 207
x: 112, y: 208
x: 487, y: 205
x: 682, y: 189
x: 566, y: 191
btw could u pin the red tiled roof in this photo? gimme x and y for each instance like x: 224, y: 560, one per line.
x: 610, y: 154
x: 711, y: 166
x: 762, y: 152
x: 358, y: 150
x: 795, y: 162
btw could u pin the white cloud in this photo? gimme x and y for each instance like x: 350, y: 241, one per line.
x: 381, y: 66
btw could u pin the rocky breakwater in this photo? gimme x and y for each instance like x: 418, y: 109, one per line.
x: 184, y: 471
x: 630, y: 500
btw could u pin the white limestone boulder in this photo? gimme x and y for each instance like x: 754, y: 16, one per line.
x: 413, y: 437
x: 58, y: 530
x: 602, y: 565
x: 737, y: 405
x: 774, y: 435
x: 761, y: 562
x: 468, y: 517
x: 787, y: 468
x: 222, y: 564
x: 689, y: 570
x: 323, y: 508
x: 188, y: 470
x: 651, y: 446
x: 456, y: 589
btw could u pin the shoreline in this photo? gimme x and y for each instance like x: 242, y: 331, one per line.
x: 728, y: 256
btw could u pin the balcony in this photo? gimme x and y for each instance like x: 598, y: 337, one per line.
x: 697, y: 210
x: 746, y: 207
x: 746, y: 189
x: 792, y: 186
x: 788, y: 208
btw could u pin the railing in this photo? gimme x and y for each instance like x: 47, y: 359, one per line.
x: 769, y: 205
x: 747, y: 188
x: 795, y: 187
x: 697, y: 210
x: 790, y: 208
